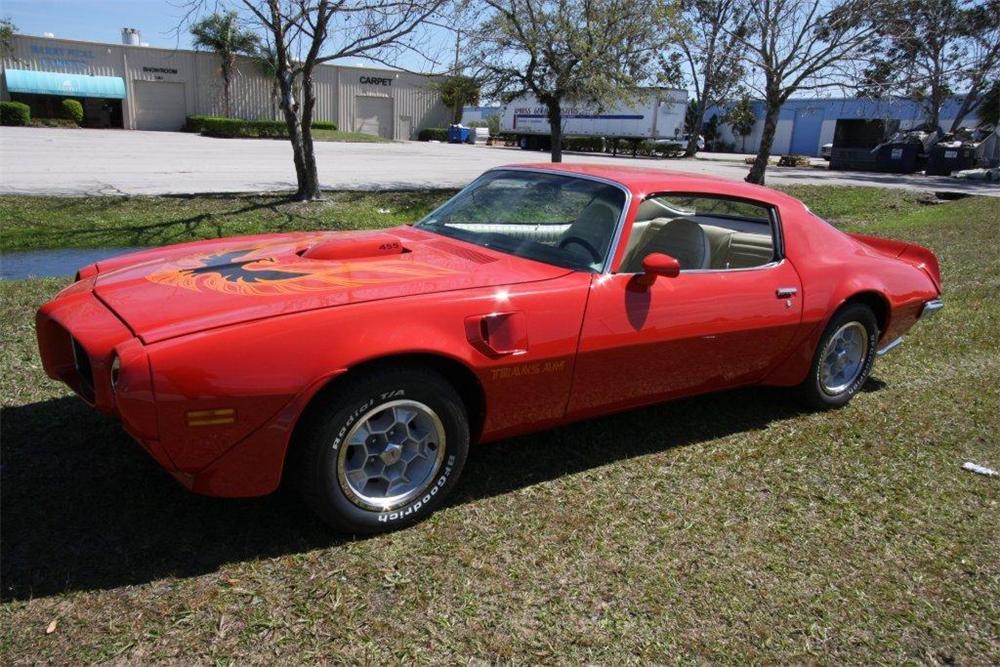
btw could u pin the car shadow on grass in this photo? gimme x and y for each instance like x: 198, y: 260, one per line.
x: 83, y: 506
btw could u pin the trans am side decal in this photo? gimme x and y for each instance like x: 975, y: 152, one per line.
x: 237, y: 272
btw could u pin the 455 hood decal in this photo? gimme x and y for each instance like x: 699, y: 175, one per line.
x: 242, y: 272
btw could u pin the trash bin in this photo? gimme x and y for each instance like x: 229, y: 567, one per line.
x: 898, y: 157
x: 945, y: 159
x: 458, y: 134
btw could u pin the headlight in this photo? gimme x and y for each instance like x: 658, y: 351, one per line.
x: 116, y: 367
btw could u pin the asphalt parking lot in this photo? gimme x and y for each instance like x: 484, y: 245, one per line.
x: 85, y: 162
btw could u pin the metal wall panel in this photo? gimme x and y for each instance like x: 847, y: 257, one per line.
x: 415, y: 104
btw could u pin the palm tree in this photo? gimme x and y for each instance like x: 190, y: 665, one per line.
x: 267, y: 61
x: 222, y: 34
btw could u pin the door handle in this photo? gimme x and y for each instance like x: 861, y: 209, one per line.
x: 786, y: 292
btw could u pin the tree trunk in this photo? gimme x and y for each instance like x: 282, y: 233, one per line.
x: 971, y: 100
x: 227, y: 74
x: 555, y: 129
x: 756, y: 174
x: 226, y: 111
x: 699, y: 119
x: 309, y: 186
x: 288, y: 108
x: 937, y: 97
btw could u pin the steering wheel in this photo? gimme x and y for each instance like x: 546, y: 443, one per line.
x: 583, y: 243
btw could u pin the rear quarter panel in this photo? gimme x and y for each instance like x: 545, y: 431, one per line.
x: 834, y: 268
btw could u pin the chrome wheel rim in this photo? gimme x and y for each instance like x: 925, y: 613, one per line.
x: 843, y: 358
x: 391, y: 455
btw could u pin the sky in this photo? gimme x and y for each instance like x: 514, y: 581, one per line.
x: 102, y: 21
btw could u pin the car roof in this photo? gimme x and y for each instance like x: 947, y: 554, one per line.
x: 645, y: 180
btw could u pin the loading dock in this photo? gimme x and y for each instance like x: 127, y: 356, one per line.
x: 159, y: 105
x: 374, y: 116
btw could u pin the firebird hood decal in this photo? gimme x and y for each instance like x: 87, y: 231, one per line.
x: 239, y: 272
x: 176, y: 290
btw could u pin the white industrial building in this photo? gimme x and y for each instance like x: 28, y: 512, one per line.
x: 145, y: 88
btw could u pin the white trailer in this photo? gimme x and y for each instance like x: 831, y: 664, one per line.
x: 654, y: 114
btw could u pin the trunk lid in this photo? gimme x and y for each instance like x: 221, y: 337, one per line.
x: 914, y: 254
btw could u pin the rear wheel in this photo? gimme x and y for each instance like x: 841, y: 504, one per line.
x: 843, y: 359
x: 384, y: 452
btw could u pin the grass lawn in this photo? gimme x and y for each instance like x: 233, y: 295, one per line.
x: 28, y: 222
x: 348, y: 137
x: 733, y: 528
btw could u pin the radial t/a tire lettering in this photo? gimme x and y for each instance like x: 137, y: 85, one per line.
x: 383, y: 450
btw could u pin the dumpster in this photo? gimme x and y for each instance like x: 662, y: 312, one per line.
x: 458, y: 134
x: 897, y: 157
x: 948, y: 156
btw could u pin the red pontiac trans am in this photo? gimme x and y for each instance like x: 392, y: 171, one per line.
x: 361, y: 365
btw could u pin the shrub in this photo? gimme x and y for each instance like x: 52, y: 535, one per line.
x: 590, y: 144
x: 72, y: 110
x: 433, y: 134
x: 196, y: 123
x: 219, y: 126
x: 14, y: 113
x: 53, y: 122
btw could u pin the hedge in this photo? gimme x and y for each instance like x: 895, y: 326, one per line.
x: 433, y: 134
x: 53, y: 122
x: 14, y: 113
x: 72, y: 110
x: 219, y: 126
x: 590, y: 144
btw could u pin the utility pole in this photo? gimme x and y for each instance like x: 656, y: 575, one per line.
x: 458, y: 43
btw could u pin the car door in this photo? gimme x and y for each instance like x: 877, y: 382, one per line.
x: 702, y: 330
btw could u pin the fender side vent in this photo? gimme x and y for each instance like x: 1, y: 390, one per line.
x: 463, y: 252
x: 85, y: 372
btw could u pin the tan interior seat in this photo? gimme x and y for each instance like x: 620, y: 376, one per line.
x: 595, y: 225
x: 680, y: 238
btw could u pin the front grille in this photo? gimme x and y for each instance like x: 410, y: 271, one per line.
x: 81, y: 361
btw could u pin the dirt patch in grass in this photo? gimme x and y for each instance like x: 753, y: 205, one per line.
x: 725, y: 529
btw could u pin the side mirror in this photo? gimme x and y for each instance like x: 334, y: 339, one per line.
x: 660, y: 264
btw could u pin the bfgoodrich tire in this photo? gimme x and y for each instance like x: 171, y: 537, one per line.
x: 843, y: 358
x: 384, y: 451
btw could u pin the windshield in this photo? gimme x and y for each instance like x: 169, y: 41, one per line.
x: 552, y: 218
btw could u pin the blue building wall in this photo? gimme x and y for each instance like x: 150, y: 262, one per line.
x: 806, y: 124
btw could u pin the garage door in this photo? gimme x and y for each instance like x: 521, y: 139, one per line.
x: 159, y: 105
x: 373, y: 115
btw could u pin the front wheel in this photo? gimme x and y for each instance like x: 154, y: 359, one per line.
x: 843, y: 359
x: 384, y: 452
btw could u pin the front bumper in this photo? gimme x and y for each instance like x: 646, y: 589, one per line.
x: 928, y: 310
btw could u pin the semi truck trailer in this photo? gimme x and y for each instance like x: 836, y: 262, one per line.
x: 654, y: 114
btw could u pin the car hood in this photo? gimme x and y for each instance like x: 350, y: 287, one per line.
x: 182, y: 289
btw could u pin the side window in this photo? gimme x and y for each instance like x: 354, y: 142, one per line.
x: 702, y: 232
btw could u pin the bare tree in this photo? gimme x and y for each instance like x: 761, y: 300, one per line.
x: 710, y: 44
x: 307, y: 33
x: 933, y: 49
x: 980, y: 69
x: 559, y: 51
x: 803, y: 45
